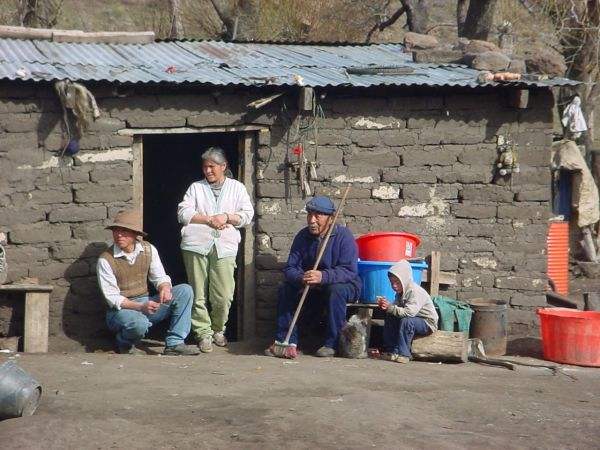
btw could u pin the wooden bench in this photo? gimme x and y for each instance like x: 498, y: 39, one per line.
x: 433, y: 276
x: 37, y: 310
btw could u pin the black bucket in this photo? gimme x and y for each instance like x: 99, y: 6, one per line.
x: 489, y: 323
x: 19, y: 392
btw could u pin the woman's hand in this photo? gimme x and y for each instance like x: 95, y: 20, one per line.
x: 218, y: 221
x: 383, y: 303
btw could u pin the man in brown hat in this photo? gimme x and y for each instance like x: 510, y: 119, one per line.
x: 123, y: 273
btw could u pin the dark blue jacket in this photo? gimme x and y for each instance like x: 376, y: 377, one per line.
x: 339, y: 261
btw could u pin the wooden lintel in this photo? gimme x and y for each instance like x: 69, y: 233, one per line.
x: 183, y: 130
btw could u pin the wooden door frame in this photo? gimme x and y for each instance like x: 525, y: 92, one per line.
x: 246, y: 279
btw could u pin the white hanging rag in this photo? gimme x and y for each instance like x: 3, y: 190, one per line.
x: 572, y: 118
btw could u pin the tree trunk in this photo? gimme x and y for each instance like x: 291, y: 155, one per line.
x: 417, y: 15
x: 29, y: 13
x: 461, y: 15
x: 442, y: 346
x: 480, y: 19
x: 176, y: 25
x: 226, y: 13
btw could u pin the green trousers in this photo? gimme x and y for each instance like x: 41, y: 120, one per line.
x: 212, y: 280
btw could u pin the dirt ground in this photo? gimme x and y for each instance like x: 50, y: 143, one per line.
x: 238, y: 399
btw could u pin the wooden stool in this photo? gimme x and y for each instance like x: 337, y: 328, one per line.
x: 37, y: 310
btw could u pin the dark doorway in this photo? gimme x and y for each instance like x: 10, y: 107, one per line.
x: 171, y: 163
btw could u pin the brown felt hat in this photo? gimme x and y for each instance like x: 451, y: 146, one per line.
x: 129, y: 219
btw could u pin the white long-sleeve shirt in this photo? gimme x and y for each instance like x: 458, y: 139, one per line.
x: 199, y: 198
x: 108, y: 282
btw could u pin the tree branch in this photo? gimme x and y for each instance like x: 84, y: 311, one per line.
x: 383, y: 25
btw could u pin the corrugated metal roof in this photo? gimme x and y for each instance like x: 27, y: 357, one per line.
x: 226, y: 63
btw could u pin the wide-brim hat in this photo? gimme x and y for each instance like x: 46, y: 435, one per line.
x: 128, y: 219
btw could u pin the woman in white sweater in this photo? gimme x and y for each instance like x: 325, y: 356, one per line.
x: 211, y: 212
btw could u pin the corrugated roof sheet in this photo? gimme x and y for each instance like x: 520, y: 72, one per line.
x: 226, y: 63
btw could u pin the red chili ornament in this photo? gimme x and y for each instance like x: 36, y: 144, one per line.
x: 297, y: 150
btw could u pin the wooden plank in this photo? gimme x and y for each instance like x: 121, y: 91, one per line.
x: 445, y: 278
x: 434, y: 273
x: 138, y: 174
x: 7, y: 31
x: 444, y: 346
x: 27, y: 287
x: 181, y: 130
x: 37, y: 306
x: 106, y: 37
x: 247, y: 308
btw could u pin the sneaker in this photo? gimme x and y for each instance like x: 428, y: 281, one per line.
x: 325, y: 352
x: 219, y: 339
x: 181, y: 350
x: 205, y: 344
x: 132, y: 350
x: 394, y: 357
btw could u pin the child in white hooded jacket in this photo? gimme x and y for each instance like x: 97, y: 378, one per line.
x: 411, y: 314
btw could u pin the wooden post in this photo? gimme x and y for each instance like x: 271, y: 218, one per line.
x: 445, y: 346
x: 247, y: 307
x: 434, y: 273
x: 138, y: 174
x: 37, y: 305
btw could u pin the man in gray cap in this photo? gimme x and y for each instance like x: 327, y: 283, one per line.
x: 123, y: 273
x: 332, y: 285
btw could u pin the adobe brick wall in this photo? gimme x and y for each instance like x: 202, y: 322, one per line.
x: 420, y: 161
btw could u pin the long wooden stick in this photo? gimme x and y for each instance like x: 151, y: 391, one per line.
x: 317, y: 261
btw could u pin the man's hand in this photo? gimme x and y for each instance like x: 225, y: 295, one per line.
x: 165, y: 294
x: 312, y: 277
x: 149, y: 307
x: 383, y: 303
x: 218, y: 221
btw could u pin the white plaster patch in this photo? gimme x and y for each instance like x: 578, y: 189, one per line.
x: 265, y: 241
x: 485, y: 263
x: 117, y: 154
x: 345, y: 179
x: 273, y: 208
x: 2, y: 238
x: 363, y: 122
x: 386, y: 192
x: 418, y: 210
x: 435, y: 223
x: 538, y: 283
x: 517, y: 224
x: 436, y: 206
x: 54, y: 161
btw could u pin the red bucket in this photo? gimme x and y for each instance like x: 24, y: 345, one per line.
x: 387, y: 246
x: 570, y: 336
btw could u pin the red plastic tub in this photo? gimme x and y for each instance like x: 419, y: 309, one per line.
x: 570, y: 336
x: 387, y: 246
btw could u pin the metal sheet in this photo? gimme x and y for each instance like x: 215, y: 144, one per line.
x: 225, y: 63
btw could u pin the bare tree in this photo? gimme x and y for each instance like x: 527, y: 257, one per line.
x: 461, y: 15
x: 40, y: 13
x: 176, y: 25
x: 479, y: 19
x: 417, y: 17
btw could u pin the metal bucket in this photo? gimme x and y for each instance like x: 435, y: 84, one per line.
x: 20, y: 393
x: 489, y: 323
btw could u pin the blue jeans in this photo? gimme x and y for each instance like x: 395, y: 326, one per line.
x: 398, y: 333
x: 131, y: 326
x: 331, y: 297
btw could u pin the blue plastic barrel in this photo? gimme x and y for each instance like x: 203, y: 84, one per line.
x: 374, y: 276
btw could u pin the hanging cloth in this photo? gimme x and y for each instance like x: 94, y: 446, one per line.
x: 572, y: 118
